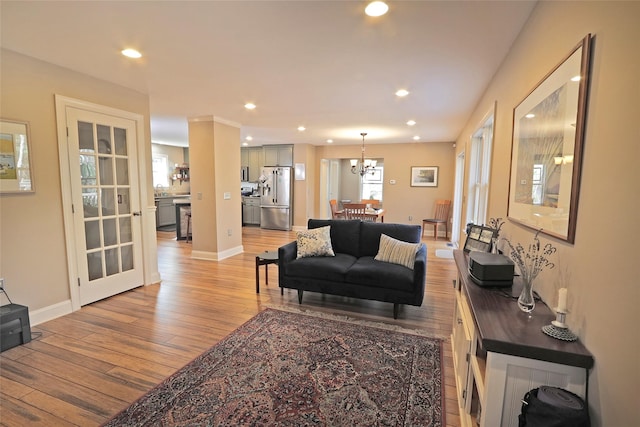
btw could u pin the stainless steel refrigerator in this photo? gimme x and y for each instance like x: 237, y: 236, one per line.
x: 275, y: 198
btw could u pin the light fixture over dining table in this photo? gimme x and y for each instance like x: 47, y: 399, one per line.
x: 365, y: 165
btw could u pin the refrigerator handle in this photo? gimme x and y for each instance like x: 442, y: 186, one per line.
x: 275, y: 185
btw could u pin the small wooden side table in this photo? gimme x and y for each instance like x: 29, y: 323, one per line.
x: 265, y: 258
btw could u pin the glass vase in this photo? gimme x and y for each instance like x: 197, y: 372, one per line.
x: 526, y: 302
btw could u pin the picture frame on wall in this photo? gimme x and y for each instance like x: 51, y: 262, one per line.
x: 546, y: 154
x: 424, y: 176
x: 15, y: 163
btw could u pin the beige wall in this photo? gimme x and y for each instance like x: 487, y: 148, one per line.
x: 32, y: 244
x: 400, y: 199
x: 599, y: 268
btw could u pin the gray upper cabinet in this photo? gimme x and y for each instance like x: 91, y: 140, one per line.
x: 244, y: 157
x: 278, y: 155
x: 252, y: 158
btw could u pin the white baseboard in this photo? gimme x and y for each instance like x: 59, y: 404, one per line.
x: 217, y: 256
x: 51, y: 312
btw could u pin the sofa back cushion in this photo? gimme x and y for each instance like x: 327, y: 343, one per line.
x: 370, y: 235
x: 345, y: 235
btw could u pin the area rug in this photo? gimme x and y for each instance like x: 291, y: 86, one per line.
x: 289, y: 369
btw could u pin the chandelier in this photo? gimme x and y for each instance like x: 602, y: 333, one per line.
x: 365, y: 165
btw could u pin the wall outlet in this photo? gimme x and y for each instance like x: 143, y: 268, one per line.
x: 1, y: 284
x: 229, y: 232
x: 410, y: 218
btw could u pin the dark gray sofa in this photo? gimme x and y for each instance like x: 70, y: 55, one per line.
x: 354, y: 272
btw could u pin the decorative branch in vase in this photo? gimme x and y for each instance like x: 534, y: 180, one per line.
x: 496, y: 224
x: 530, y: 263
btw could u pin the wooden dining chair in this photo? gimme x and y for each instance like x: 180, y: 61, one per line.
x: 373, y: 202
x: 356, y: 211
x: 335, y: 212
x: 441, y: 216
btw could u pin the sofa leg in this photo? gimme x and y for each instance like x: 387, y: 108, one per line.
x: 395, y: 310
x: 300, y: 292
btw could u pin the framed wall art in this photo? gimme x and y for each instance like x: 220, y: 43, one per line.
x: 424, y: 176
x: 15, y: 164
x: 546, y: 152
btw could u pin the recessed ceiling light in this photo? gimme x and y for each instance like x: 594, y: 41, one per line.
x: 131, y: 53
x: 301, y: 128
x: 411, y: 122
x: 245, y: 144
x: 575, y: 78
x: 416, y: 138
x: 249, y: 106
x: 402, y: 92
x: 249, y: 138
x: 530, y: 116
x: 329, y: 141
x: 376, y: 8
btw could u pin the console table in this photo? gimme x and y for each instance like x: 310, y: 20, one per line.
x: 500, y: 352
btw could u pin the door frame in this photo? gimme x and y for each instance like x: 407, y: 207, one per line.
x: 458, y: 199
x: 148, y: 218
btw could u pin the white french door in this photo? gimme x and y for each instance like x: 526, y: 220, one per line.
x: 106, y: 203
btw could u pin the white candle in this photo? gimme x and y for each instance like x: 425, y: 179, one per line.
x: 562, y: 300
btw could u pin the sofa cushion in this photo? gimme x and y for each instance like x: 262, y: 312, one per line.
x: 397, y: 252
x: 316, y: 242
x: 321, y: 268
x: 345, y: 235
x: 370, y: 233
x: 379, y: 274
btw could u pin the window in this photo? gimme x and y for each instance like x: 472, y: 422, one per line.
x: 160, y: 170
x: 537, y: 184
x: 372, y: 183
x: 479, y: 167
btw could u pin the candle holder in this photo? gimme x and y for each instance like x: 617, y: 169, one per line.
x: 558, y: 329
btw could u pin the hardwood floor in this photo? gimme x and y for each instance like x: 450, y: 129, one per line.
x: 88, y: 365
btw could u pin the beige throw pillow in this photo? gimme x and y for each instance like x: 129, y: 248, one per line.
x: 396, y: 251
x: 315, y: 242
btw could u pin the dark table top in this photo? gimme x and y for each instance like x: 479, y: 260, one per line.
x: 504, y: 328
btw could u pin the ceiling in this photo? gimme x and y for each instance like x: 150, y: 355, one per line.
x: 323, y: 65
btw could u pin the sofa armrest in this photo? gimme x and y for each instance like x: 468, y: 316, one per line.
x: 286, y: 254
x: 420, y: 272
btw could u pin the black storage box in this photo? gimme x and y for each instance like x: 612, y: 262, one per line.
x: 487, y: 269
x: 15, y: 328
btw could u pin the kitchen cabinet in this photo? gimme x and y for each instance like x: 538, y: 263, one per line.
x: 256, y: 161
x: 253, y: 159
x: 278, y: 155
x: 244, y: 157
x: 165, y: 214
x: 251, y: 210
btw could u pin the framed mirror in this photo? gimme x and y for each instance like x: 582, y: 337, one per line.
x: 546, y: 153
x: 15, y: 164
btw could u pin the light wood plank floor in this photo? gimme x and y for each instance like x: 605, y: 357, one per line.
x: 90, y: 364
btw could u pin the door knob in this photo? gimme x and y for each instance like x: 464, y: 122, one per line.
x: 138, y: 213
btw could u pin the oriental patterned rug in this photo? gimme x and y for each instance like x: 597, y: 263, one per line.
x: 290, y: 369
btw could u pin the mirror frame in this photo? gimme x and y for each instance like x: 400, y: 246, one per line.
x: 555, y: 215
x: 12, y: 132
